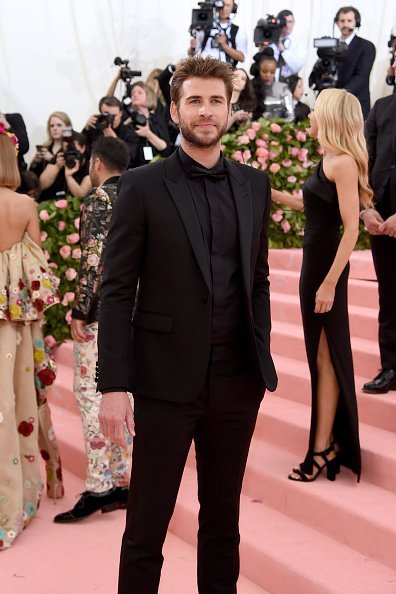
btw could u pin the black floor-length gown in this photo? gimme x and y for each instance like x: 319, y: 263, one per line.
x: 321, y: 240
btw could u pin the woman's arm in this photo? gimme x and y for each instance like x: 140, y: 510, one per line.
x: 50, y: 173
x: 76, y: 189
x: 294, y: 202
x: 343, y: 171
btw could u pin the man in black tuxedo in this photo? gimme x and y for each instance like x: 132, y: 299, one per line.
x: 381, y: 224
x: 354, y: 71
x: 191, y: 231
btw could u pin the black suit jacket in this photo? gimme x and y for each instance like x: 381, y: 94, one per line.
x: 155, y: 241
x: 354, y: 72
x: 381, y: 145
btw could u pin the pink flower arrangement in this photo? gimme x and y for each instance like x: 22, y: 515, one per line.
x: 43, y: 235
x: 61, y: 225
x: 73, y: 238
x: 76, y: 253
x: 256, y: 126
x: 302, y: 154
x: 292, y: 179
x: 251, y: 133
x: 285, y: 226
x: 244, y: 139
x: 68, y: 297
x: 277, y: 216
x: 246, y: 155
x: 301, y: 136
x: 71, y: 274
x: 275, y: 128
x: 237, y: 156
x: 274, y: 167
x: 286, y: 163
x: 44, y: 216
x: 65, y: 251
x: 61, y: 203
x: 261, y: 142
x: 77, y: 223
x: 262, y: 152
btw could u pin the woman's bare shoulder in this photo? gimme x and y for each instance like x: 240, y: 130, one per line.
x: 338, y: 166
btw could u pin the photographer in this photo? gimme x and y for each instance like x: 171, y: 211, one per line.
x: 225, y: 41
x: 68, y: 171
x: 13, y: 122
x: 354, y: 71
x: 109, y: 123
x: 56, y: 123
x: 289, y: 53
x: 274, y: 99
x: 149, y: 126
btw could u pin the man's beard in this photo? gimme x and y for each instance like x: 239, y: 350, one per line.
x: 198, y: 141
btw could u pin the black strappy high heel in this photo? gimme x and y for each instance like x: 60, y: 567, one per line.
x: 332, y: 466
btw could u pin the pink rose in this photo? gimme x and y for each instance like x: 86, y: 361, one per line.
x: 46, y: 254
x: 261, y: 142
x: 68, y: 316
x: 237, y: 156
x: 287, y: 163
x: 61, y: 203
x: 262, y: 152
x: 298, y: 168
x: 256, y: 126
x: 302, y: 154
x: 65, y: 251
x: 294, y: 151
x: 274, y: 142
x: 71, y: 274
x: 320, y: 150
x: 272, y: 155
x: 289, y: 137
x: 251, y: 133
x: 255, y: 165
x: 76, y: 253
x: 262, y: 160
x: 275, y: 128
x: 265, y: 136
x: 43, y: 235
x: 264, y: 165
x: 61, y: 225
x: 243, y: 139
x: 44, y: 216
x: 246, y: 155
x: 50, y: 341
x: 73, y: 238
x: 277, y: 216
x: 298, y: 193
x: 274, y: 167
x: 301, y: 136
x: 68, y: 297
x: 292, y: 179
x: 285, y: 226
x: 53, y: 265
x: 77, y: 223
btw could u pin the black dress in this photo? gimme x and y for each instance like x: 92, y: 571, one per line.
x: 321, y: 240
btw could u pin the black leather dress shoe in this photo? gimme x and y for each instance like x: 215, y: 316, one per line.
x: 88, y: 504
x: 385, y: 381
x: 120, y: 500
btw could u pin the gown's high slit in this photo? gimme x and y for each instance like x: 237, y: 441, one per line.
x: 321, y: 240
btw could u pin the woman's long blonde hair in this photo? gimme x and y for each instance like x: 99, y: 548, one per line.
x: 60, y: 115
x: 341, y: 130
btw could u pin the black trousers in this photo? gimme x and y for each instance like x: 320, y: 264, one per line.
x: 221, y: 423
x: 384, y: 257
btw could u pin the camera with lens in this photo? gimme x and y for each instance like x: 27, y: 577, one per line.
x: 137, y: 119
x: 70, y: 153
x: 203, y: 17
x: 268, y: 30
x: 126, y: 74
x: 104, y: 120
x: 331, y: 52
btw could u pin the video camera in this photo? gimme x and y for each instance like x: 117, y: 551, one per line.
x: 331, y: 52
x: 70, y: 153
x: 126, y: 74
x: 203, y: 17
x: 268, y: 30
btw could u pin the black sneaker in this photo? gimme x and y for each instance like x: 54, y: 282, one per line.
x: 382, y: 383
x: 88, y: 504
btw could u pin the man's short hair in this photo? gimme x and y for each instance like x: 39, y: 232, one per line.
x: 199, y: 67
x: 285, y: 13
x: 111, y: 101
x: 113, y: 152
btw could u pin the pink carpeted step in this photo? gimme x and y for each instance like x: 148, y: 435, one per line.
x: 290, y: 259
x: 363, y: 320
x: 284, y: 555
x: 82, y: 558
x: 287, y: 340
x: 378, y: 410
x: 360, y: 292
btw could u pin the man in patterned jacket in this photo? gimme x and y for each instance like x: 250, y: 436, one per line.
x: 107, y: 464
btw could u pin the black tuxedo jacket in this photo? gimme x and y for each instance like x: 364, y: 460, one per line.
x: 161, y: 346
x: 354, y: 72
x: 381, y: 145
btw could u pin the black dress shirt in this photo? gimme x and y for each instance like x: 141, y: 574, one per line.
x: 214, y: 204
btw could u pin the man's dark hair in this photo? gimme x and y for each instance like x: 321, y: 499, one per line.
x: 110, y: 100
x: 285, y: 13
x: 113, y: 152
x: 199, y: 67
x: 80, y: 138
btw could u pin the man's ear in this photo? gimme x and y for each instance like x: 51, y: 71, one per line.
x: 173, y: 112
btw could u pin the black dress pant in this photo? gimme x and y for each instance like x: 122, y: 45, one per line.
x: 221, y: 423
x: 384, y: 257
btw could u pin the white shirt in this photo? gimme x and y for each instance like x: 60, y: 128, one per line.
x: 241, y: 42
x: 294, y: 55
x: 349, y: 39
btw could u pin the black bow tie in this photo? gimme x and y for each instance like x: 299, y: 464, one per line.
x: 199, y: 172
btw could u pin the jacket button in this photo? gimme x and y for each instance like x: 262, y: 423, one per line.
x: 204, y: 299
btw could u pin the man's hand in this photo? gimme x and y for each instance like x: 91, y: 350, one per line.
x: 389, y: 226
x: 115, y: 410
x: 372, y: 221
x: 91, y: 122
x: 222, y: 40
x: 77, y: 330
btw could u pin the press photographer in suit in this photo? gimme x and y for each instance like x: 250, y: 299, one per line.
x: 191, y: 230
x: 354, y: 72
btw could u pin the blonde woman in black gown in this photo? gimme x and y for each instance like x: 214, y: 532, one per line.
x: 332, y: 197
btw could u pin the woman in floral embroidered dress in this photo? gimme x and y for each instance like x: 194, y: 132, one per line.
x: 27, y: 288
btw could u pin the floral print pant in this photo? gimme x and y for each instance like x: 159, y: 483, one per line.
x: 107, y: 464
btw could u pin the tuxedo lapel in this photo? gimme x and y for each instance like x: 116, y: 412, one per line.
x: 243, y: 203
x: 176, y: 184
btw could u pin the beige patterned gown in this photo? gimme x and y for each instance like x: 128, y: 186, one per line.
x: 27, y: 288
